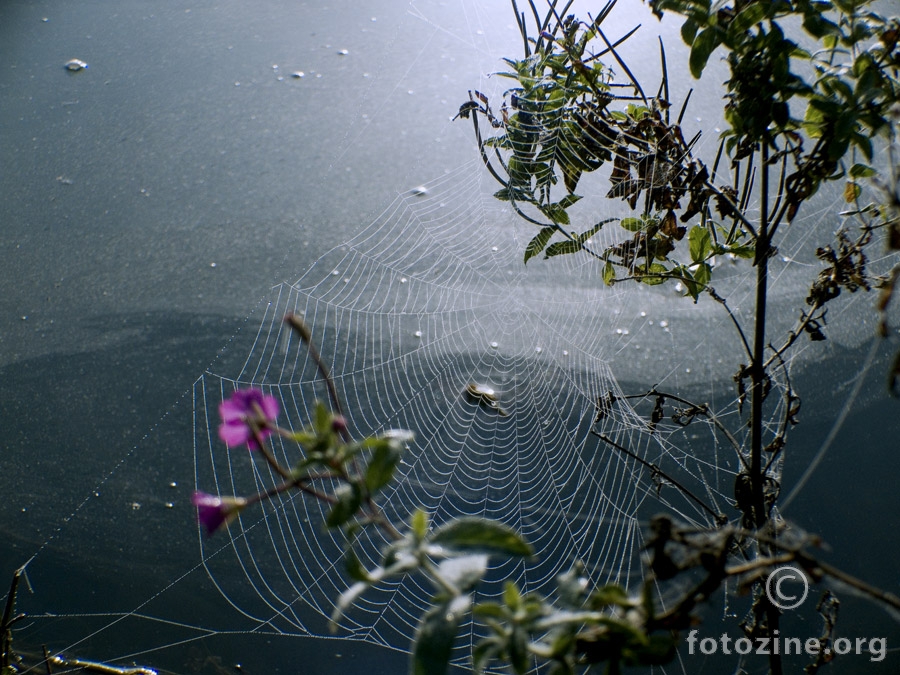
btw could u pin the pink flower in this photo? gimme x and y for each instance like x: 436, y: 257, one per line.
x: 245, y: 405
x: 213, y: 512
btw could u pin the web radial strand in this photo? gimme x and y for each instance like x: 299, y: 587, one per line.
x: 427, y: 302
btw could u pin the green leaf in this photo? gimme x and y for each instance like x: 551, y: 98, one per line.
x: 587, y: 234
x: 609, y: 274
x: 650, y: 276
x: 518, y: 650
x: 742, y: 250
x: 701, y: 49
x: 562, y: 248
x: 383, y: 462
x: 323, y: 418
x: 556, y: 213
x: 633, y: 224
x: 355, y: 568
x: 610, y: 595
x: 568, y: 200
x: 536, y: 245
x: 481, y: 535
x: 818, y: 26
x: 435, y: 636
x: 511, y: 596
x: 348, y: 500
x: 419, y: 523
x: 862, y: 171
x: 700, y: 243
x: 689, y: 31
x: 482, y: 653
x: 702, y: 275
x: 748, y: 17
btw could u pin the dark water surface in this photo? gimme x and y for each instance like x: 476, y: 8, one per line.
x: 148, y: 203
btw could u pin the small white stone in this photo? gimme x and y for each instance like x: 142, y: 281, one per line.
x: 494, y: 345
x: 418, y: 333
x: 403, y: 280
x: 335, y: 273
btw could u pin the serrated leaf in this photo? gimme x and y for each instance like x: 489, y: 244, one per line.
x: 481, y: 535
x: 435, y: 636
x: 540, y: 241
x: 851, y: 192
x: 609, y: 274
x: 562, y: 248
x: 700, y: 243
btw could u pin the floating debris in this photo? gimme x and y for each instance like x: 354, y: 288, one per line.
x: 297, y: 74
x: 65, y: 181
x: 343, y: 52
x: 419, y: 191
x: 75, y: 65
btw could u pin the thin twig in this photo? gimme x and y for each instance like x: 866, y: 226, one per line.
x: 720, y: 518
x: 718, y: 298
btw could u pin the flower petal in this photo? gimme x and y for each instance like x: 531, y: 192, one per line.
x: 235, y: 433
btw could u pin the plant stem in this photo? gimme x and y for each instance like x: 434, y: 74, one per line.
x: 757, y: 367
x: 758, y: 378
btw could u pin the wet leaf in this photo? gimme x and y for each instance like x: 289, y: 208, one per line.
x: 435, y: 635
x: 482, y: 536
x: 609, y: 274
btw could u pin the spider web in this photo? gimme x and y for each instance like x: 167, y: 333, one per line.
x: 429, y: 299
x: 425, y: 301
